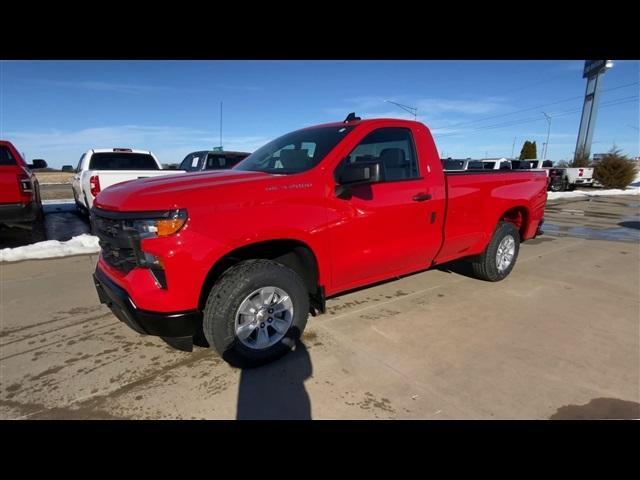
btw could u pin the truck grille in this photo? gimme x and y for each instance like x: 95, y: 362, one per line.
x: 119, y: 243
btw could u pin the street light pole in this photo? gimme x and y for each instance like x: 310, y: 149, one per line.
x: 546, y: 144
x: 411, y: 110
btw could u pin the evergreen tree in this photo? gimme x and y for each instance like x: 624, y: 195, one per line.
x: 529, y: 150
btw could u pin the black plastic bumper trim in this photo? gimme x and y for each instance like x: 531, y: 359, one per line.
x: 175, y: 324
x: 18, y: 212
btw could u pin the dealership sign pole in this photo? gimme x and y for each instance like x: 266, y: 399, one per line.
x: 593, y: 71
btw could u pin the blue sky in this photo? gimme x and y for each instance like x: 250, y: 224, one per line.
x: 56, y: 110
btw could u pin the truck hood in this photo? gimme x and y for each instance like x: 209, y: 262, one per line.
x: 175, y: 191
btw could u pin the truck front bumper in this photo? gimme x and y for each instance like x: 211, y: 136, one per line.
x: 177, y: 328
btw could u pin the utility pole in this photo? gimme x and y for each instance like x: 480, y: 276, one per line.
x: 513, y: 148
x: 546, y: 144
x: 411, y: 110
x: 221, y: 125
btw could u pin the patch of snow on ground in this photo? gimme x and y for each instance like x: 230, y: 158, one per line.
x: 61, y: 201
x: 82, y: 244
x: 632, y: 190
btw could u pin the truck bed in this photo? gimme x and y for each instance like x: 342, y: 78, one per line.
x: 477, y: 199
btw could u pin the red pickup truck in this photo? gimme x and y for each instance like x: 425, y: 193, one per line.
x: 20, y: 204
x: 238, y: 258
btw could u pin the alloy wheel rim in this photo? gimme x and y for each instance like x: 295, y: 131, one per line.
x: 506, y: 252
x: 264, y: 317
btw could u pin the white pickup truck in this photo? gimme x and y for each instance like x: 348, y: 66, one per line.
x: 561, y: 179
x: 101, y: 168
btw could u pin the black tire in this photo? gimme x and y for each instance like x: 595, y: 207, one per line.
x: 228, y: 293
x: 38, y: 232
x: 485, y: 265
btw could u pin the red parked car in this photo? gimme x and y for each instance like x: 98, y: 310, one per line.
x: 239, y: 258
x: 20, y: 204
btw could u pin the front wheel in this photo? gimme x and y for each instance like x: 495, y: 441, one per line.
x: 499, y: 258
x: 256, y: 312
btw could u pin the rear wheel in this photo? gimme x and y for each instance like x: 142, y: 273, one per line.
x: 38, y: 232
x: 499, y: 258
x: 256, y: 312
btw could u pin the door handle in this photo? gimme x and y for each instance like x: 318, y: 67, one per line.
x: 421, y: 197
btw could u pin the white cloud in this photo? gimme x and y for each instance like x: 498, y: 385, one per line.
x: 136, y: 89
x: 170, y: 144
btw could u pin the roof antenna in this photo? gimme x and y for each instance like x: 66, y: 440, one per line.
x: 351, y: 118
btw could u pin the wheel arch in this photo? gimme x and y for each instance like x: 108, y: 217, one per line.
x: 519, y: 216
x: 294, y: 254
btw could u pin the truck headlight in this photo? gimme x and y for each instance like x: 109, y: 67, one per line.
x: 162, y: 226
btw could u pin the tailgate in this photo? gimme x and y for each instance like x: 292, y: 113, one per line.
x: 112, y: 177
x: 9, y: 188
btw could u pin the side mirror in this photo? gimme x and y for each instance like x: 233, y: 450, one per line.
x: 38, y: 163
x: 360, y: 173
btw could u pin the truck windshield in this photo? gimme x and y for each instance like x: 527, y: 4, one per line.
x: 122, y: 161
x: 295, y: 152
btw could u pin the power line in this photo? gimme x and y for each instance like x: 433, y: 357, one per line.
x: 533, y: 108
x: 610, y: 103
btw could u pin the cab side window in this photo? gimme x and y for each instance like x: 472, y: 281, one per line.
x: 216, y: 162
x: 393, y: 148
x: 5, y: 156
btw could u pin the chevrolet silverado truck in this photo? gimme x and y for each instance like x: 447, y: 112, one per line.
x: 101, y: 168
x: 20, y: 203
x: 237, y: 259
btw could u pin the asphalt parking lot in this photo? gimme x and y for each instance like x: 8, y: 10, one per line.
x: 559, y: 338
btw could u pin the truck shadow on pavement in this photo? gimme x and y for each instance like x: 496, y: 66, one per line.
x: 630, y: 224
x: 460, y: 267
x: 276, y: 391
x: 599, y: 409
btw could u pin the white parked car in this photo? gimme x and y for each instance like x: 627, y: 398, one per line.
x: 101, y: 168
x: 532, y: 164
x: 496, y: 163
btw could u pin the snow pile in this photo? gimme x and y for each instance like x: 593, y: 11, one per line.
x: 82, y: 244
x: 632, y: 190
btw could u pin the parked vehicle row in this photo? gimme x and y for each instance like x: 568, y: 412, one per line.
x: 238, y: 259
x: 101, y: 168
x: 20, y: 203
x: 559, y: 179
